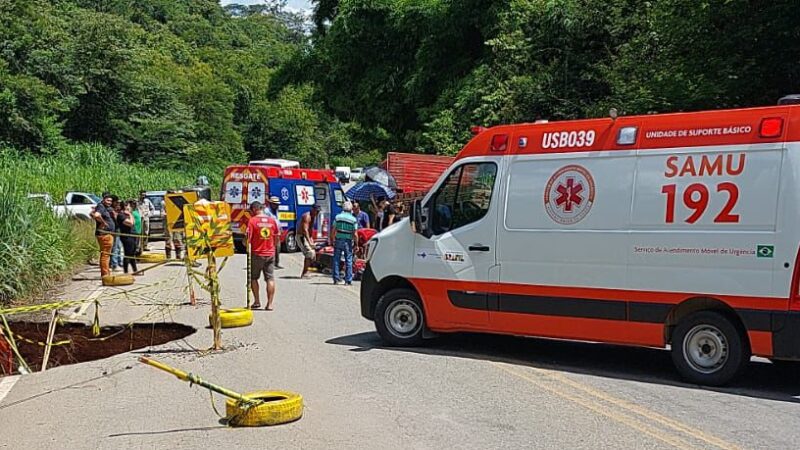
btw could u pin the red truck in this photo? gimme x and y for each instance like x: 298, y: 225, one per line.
x: 415, y: 173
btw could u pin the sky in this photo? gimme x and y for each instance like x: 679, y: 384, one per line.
x: 304, y: 5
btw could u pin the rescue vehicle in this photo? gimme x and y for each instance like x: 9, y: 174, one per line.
x: 298, y: 189
x: 676, y: 230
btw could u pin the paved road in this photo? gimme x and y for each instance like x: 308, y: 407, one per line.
x: 460, y: 391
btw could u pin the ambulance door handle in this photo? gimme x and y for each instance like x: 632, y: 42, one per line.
x: 479, y: 248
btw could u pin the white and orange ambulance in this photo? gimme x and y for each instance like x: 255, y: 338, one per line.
x: 673, y: 229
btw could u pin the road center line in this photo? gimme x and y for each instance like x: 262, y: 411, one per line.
x: 637, y: 409
x: 6, y: 383
x: 82, y: 310
x: 602, y: 410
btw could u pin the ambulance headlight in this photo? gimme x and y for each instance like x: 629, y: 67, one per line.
x: 626, y: 136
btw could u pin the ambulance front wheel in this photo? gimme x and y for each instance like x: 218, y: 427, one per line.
x: 709, y: 349
x: 399, y: 318
x: 290, y: 244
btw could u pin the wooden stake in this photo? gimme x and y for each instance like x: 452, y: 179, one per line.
x: 192, y: 298
x: 213, y: 284
x: 50, y: 332
x: 247, y: 282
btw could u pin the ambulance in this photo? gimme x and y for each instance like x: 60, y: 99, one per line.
x: 298, y: 189
x: 675, y: 231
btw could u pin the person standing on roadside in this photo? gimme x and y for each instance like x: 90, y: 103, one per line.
x: 173, y: 240
x: 389, y: 214
x: 137, y: 225
x: 146, y: 209
x: 117, y: 250
x: 304, y: 239
x: 274, y: 211
x: 103, y: 227
x: 361, y: 216
x: 264, y: 236
x: 342, y: 235
x: 125, y: 224
x: 377, y: 212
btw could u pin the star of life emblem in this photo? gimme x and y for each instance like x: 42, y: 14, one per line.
x: 569, y: 194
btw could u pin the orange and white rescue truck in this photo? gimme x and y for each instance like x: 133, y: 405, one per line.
x: 677, y: 230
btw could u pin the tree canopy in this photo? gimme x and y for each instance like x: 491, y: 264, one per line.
x: 179, y: 81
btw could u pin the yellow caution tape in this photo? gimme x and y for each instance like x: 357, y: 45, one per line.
x: 42, y: 307
x: 40, y: 344
x: 116, y: 233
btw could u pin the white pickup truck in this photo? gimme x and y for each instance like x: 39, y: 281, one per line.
x: 76, y: 204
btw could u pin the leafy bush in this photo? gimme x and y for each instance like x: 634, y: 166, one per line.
x: 36, y: 246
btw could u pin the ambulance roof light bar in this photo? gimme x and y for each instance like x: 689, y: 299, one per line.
x: 277, y: 162
x: 792, y: 99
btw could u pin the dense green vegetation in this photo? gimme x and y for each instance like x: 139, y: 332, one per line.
x: 184, y: 87
x: 425, y: 70
x: 179, y: 81
x: 35, y: 245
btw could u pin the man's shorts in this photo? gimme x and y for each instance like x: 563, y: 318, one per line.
x: 262, y: 264
x: 308, y: 249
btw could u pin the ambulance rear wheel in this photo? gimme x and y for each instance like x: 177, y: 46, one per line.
x: 399, y: 318
x: 708, y: 349
x: 290, y: 245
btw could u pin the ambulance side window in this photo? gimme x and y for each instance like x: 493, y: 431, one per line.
x: 339, y: 196
x: 463, y: 198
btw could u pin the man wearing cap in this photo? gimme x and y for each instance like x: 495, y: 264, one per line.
x: 304, y: 239
x: 274, y: 203
x: 342, y: 235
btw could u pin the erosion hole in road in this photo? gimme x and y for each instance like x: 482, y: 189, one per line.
x: 83, y: 347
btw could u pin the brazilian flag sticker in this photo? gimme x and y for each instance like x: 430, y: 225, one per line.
x: 765, y: 251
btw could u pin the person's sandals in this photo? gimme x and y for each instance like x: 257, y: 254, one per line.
x: 255, y: 306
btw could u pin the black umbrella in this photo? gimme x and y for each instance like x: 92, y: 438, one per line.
x: 381, y: 176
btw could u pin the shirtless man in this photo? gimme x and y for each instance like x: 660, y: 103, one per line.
x: 304, y: 239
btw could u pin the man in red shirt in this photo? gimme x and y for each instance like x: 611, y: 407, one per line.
x: 264, y: 236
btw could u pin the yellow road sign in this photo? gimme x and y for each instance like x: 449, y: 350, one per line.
x: 174, y: 207
x: 208, y: 227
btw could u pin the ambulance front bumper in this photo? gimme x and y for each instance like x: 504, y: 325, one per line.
x: 369, y: 287
x: 786, y: 335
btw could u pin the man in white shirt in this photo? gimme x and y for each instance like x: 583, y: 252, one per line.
x: 272, y: 210
x: 146, y: 209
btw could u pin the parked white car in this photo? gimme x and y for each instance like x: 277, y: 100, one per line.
x: 357, y: 174
x: 76, y: 204
x: 343, y: 174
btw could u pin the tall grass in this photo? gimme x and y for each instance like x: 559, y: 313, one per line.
x: 92, y: 168
x: 37, y: 247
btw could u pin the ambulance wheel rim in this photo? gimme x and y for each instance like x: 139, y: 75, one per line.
x: 403, y: 318
x: 291, y: 243
x: 705, y: 348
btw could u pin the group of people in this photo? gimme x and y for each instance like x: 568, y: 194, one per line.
x: 264, y: 240
x: 386, y: 213
x: 350, y: 228
x: 121, y: 229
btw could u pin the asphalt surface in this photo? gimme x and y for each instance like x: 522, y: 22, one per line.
x: 459, y: 391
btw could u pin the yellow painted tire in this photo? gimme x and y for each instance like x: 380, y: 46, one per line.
x: 152, y: 258
x: 280, y: 407
x: 117, y: 280
x: 234, y: 317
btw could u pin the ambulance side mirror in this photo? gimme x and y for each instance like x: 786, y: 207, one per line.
x: 418, y: 222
